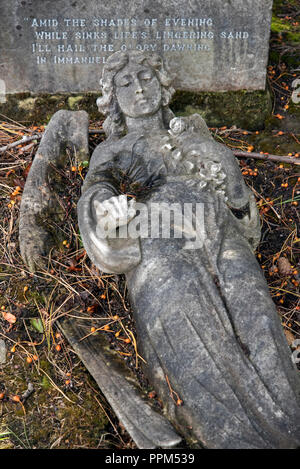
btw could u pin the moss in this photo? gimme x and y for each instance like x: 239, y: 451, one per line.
x: 24, y: 107
x: 282, y: 26
x: 34, y: 296
x: 286, y: 30
x: 290, y: 122
x: 45, y: 382
x: 279, y: 5
x: 228, y: 108
x: 270, y: 142
x: 290, y: 58
x: 294, y: 109
x: 82, y: 417
x: 245, y: 109
x: 27, y: 104
x: 285, y: 34
x: 279, y: 25
x: 74, y: 102
x: 5, y: 442
x: 81, y: 422
x: 88, y: 103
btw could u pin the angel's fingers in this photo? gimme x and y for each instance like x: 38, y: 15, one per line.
x: 101, y: 208
x: 131, y: 213
x: 120, y: 201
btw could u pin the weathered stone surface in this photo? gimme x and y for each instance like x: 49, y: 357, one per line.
x: 147, y: 428
x: 61, y: 46
x: 66, y: 130
x: 206, y: 324
x: 207, y: 328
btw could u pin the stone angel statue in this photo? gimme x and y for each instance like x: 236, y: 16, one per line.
x: 207, y: 327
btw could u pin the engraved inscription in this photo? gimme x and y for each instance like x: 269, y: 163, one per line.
x: 208, y: 45
x: 73, y: 46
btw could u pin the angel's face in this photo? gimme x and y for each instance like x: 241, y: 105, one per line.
x: 138, y: 90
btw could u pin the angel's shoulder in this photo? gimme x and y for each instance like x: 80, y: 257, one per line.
x: 109, y: 148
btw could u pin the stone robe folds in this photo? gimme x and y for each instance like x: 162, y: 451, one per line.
x: 205, y: 320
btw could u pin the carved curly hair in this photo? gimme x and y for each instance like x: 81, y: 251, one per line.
x: 114, y: 125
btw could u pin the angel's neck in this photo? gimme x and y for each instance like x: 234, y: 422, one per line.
x: 145, y: 124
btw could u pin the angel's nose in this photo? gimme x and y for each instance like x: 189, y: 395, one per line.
x: 138, y: 86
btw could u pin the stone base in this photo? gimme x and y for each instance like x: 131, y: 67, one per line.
x: 245, y: 109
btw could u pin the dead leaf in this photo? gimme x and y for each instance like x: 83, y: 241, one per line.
x: 73, y: 266
x: 9, y: 317
x: 289, y: 336
x: 284, y: 266
x: 26, y: 171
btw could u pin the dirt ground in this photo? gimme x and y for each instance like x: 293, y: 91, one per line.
x: 47, y: 398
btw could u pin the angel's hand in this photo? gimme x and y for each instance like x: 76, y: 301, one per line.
x: 114, y: 213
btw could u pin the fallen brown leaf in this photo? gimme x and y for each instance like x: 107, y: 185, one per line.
x: 284, y: 266
x: 9, y: 317
x: 289, y: 336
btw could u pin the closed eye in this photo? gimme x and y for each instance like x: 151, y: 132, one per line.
x: 146, y: 76
x: 124, y: 80
x: 125, y: 83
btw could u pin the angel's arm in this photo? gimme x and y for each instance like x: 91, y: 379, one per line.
x: 100, y: 205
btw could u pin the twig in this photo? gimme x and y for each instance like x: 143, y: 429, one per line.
x: 137, y: 356
x: 94, y: 131
x: 237, y: 153
x: 37, y: 137
x: 21, y: 141
x: 56, y: 387
x: 173, y: 393
x: 263, y: 156
x: 27, y: 393
x: 266, y: 202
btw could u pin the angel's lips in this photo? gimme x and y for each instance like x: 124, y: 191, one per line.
x: 141, y: 101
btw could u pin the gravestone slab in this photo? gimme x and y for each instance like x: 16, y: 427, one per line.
x: 61, y: 46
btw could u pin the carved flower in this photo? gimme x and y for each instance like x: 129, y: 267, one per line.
x: 177, y: 125
x: 210, y: 172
